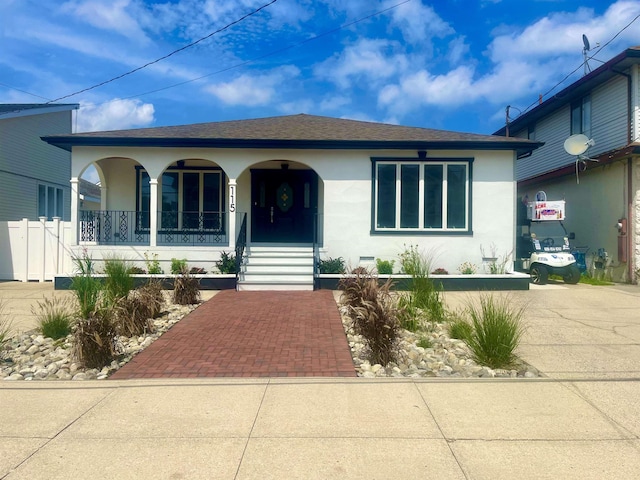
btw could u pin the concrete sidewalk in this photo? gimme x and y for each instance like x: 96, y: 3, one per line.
x: 320, y: 429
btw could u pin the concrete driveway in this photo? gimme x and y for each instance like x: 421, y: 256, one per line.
x: 577, y: 331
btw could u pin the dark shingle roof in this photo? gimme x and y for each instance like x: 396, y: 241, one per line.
x: 292, y: 131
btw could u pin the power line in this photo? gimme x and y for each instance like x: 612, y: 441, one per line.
x: 580, y: 66
x: 229, y: 25
x: 261, y: 57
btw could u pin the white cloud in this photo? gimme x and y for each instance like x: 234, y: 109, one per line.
x: 419, y: 23
x: 334, y: 102
x: 253, y: 90
x: 113, y: 16
x: 524, y: 63
x: 114, y: 115
x: 368, y: 60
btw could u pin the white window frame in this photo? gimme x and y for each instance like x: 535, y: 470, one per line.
x: 421, y: 228
x: 46, y: 209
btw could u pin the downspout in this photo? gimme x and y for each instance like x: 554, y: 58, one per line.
x: 630, y: 224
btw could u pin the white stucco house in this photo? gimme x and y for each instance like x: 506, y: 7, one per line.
x: 283, y: 190
x: 602, y: 197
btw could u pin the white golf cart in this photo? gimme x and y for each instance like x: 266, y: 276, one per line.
x: 543, y: 248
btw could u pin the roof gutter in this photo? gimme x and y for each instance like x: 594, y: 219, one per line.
x: 68, y: 142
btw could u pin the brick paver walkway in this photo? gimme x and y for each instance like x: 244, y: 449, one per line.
x: 251, y: 334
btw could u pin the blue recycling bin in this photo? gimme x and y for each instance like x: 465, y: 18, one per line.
x: 581, y: 260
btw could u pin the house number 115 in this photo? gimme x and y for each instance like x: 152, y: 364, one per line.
x: 232, y: 198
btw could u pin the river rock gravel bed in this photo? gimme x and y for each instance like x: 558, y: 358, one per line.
x: 445, y: 357
x: 30, y: 356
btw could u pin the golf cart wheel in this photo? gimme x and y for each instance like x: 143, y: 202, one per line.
x: 539, y: 274
x: 571, y: 275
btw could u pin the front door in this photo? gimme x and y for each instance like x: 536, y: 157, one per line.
x: 284, y: 203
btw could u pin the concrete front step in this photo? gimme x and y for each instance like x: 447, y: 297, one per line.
x: 277, y: 268
x: 255, y: 286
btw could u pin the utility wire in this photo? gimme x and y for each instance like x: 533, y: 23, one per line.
x: 274, y: 52
x: 168, y: 55
x: 582, y: 64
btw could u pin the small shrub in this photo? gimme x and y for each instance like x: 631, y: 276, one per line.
x: 197, y: 271
x: 95, y: 340
x: 424, y: 342
x: 385, y: 267
x: 412, y: 262
x: 54, y: 316
x: 137, y: 271
x: 496, y: 331
x: 153, y: 265
x: 118, y: 282
x: 178, y: 266
x: 374, y: 313
x: 227, y: 263
x: 186, y: 290
x: 440, y: 271
x: 468, y: 268
x: 331, y: 265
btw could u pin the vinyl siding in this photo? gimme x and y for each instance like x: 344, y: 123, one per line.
x: 608, y: 129
x: 26, y: 161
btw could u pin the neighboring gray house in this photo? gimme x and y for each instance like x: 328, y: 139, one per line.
x: 34, y: 176
x: 603, y: 197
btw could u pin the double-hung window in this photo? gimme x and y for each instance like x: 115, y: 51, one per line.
x: 50, y: 201
x: 431, y: 196
x: 581, y: 116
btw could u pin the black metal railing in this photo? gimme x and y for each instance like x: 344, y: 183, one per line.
x: 241, y: 242
x: 317, y: 219
x: 117, y: 227
x: 191, y: 228
x: 112, y: 227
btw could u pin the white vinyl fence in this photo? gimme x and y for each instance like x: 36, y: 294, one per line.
x: 34, y: 250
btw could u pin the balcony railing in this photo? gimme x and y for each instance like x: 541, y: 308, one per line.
x: 117, y: 227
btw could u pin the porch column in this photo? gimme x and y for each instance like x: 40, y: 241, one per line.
x: 103, y: 198
x: 74, y: 210
x: 233, y: 202
x: 153, y: 214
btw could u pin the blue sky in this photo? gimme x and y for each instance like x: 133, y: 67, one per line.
x: 447, y: 64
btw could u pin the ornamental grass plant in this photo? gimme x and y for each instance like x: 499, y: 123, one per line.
x: 374, y: 313
x: 95, y: 340
x: 496, y: 330
x: 55, y: 316
x: 186, y: 289
x: 6, y: 323
x: 118, y: 282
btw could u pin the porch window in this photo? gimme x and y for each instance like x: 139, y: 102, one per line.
x: 190, y: 200
x: 421, y: 196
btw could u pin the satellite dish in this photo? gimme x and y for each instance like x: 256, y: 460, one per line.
x: 577, y: 144
x: 585, y: 41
